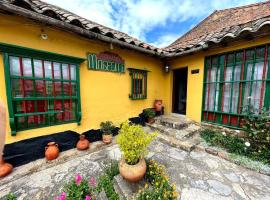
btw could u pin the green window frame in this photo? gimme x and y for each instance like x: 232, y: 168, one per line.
x: 43, y: 88
x: 234, y: 81
x: 138, y: 84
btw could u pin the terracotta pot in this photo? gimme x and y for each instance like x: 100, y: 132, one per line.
x: 150, y: 120
x: 5, y: 168
x: 132, y: 173
x: 158, y: 105
x: 107, y: 138
x: 83, y: 143
x: 51, y: 151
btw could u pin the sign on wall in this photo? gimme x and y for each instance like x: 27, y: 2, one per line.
x: 106, y: 61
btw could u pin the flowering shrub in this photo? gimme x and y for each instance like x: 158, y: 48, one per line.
x: 133, y: 142
x: 10, y: 196
x: 257, y: 126
x: 160, y: 185
x: 79, y: 189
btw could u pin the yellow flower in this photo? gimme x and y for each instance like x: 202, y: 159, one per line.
x: 146, y: 185
x: 175, y: 194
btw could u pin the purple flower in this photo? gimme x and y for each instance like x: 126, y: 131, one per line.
x: 78, y: 179
x: 62, y: 196
x: 87, y: 197
x: 92, y: 182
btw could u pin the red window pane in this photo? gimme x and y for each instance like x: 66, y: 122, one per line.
x: 40, y: 88
x: 14, y: 66
x: 58, y: 107
x: 67, y: 89
x: 27, y: 67
x: 74, y: 89
x: 38, y: 68
x: 29, y: 106
x: 28, y: 88
x: 58, y: 88
x: 49, y: 88
x: 67, y: 110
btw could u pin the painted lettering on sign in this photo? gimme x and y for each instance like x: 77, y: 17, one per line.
x: 106, y: 61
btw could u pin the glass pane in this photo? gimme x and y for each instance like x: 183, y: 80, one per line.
x: 48, y: 69
x: 235, y: 98
x: 28, y: 88
x: 14, y: 66
x: 67, y: 110
x: 58, y: 88
x: 58, y: 107
x: 211, y: 96
x: 40, y: 88
x: 29, y: 106
x: 66, y: 87
x: 249, y: 72
x: 16, y: 88
x: 49, y: 88
x: 226, y: 97
x: 20, y: 122
x: 258, y: 71
x: 73, y: 72
x: 27, y: 67
x: 228, y: 75
x: 74, y: 110
x: 256, y: 94
x: 247, y: 97
x: 65, y: 72
x: 74, y: 89
x: 237, y: 73
x: 216, y: 98
x: 41, y: 105
x: 38, y: 68
x: 19, y: 107
x: 50, y: 105
x: 57, y: 70
x: 31, y: 121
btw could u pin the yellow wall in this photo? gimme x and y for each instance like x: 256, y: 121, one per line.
x: 104, y: 95
x: 195, y: 81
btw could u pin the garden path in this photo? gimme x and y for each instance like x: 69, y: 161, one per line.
x: 198, y: 175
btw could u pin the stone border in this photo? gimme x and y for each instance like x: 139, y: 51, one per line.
x: 42, y: 163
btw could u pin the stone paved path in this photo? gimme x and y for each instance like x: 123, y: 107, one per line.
x: 198, y: 176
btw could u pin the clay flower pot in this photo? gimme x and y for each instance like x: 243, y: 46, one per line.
x: 51, y: 151
x: 107, y: 138
x: 158, y: 105
x: 132, y: 173
x: 83, y: 143
x: 150, y: 120
x: 5, y: 168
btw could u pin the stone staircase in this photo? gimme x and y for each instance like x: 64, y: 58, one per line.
x: 176, y: 130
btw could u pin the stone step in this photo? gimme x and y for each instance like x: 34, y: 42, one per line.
x: 125, y: 189
x: 172, y: 121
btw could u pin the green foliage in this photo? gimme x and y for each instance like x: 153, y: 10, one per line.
x: 149, y: 112
x: 235, y: 145
x: 105, y: 181
x: 257, y: 126
x: 161, y: 187
x: 133, y: 142
x: 10, y: 196
x: 107, y: 127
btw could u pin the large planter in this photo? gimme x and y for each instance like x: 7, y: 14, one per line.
x: 132, y: 173
x: 51, y: 151
x: 158, y: 105
x: 83, y: 143
x: 107, y: 138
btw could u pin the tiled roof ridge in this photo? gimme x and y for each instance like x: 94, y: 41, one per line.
x: 244, y: 6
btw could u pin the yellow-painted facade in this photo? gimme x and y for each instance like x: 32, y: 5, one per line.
x: 105, y: 95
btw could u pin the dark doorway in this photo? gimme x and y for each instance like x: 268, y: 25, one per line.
x: 180, y: 90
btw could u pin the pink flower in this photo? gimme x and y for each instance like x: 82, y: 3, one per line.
x: 62, y: 196
x: 78, y: 179
x: 92, y: 182
x: 87, y: 197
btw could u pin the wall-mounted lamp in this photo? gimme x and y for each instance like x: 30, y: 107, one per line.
x: 43, y: 35
x: 166, y: 68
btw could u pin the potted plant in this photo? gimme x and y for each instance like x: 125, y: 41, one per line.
x: 107, y: 128
x: 149, y: 113
x: 133, y: 143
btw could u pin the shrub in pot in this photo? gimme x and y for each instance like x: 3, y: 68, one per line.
x: 149, y: 113
x: 133, y: 143
x: 107, y: 128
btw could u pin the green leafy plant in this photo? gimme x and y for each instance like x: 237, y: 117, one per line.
x: 235, y: 145
x: 105, y: 181
x: 10, y: 196
x: 160, y: 184
x: 133, y: 142
x: 149, y: 112
x: 257, y: 126
x: 107, y: 127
